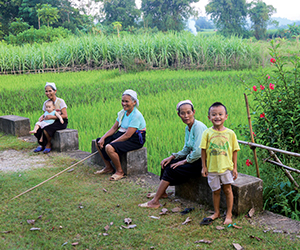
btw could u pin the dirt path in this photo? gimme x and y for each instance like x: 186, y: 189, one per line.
x: 18, y: 161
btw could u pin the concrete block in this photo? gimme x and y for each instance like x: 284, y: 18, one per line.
x: 15, y: 125
x: 247, y: 192
x: 133, y: 162
x: 65, y: 140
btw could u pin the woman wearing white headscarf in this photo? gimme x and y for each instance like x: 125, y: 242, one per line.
x: 181, y: 166
x: 127, y: 134
x: 45, y: 135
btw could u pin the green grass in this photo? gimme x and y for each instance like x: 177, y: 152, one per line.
x: 59, y: 202
x: 93, y: 100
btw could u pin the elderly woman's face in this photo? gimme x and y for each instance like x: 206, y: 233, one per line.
x: 50, y: 93
x: 186, y: 114
x: 127, y: 103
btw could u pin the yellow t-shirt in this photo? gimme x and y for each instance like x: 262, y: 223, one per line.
x: 219, y: 146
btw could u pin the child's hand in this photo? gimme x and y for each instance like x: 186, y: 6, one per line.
x: 204, y: 172
x: 62, y: 121
x: 234, y: 174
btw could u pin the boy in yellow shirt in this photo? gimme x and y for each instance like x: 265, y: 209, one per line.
x: 219, y: 157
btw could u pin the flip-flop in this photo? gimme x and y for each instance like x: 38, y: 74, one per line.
x: 145, y: 205
x: 47, y: 150
x: 151, y: 195
x: 116, y: 177
x: 38, y: 149
x: 187, y: 210
x: 206, y: 221
x: 103, y: 172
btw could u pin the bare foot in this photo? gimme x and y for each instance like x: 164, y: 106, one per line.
x: 228, y: 220
x: 150, y: 204
x: 214, y: 216
x: 151, y: 195
x: 32, y: 132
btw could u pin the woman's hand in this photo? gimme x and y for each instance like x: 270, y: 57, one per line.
x: 234, y: 174
x: 179, y: 163
x: 166, y: 161
x: 101, y: 143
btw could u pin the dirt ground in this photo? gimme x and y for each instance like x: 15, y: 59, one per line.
x: 18, y: 161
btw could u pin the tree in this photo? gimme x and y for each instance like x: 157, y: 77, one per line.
x: 203, y: 23
x: 167, y: 14
x: 47, y: 13
x: 117, y: 26
x: 229, y: 16
x: 260, y: 14
x: 124, y: 11
x: 8, y: 12
x: 18, y: 26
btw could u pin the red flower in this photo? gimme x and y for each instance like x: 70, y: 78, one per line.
x: 262, y: 115
x: 279, y: 100
x: 253, y: 133
x: 254, y: 88
x: 267, y: 129
x: 248, y: 162
x: 272, y: 60
x: 269, y: 77
x: 271, y: 86
x: 262, y: 87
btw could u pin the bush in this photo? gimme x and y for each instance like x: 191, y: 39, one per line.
x: 276, y: 123
x: 32, y: 35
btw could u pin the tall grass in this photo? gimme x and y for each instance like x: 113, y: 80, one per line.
x: 171, y: 50
x: 93, y: 100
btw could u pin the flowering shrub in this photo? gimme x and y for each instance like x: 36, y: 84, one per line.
x: 275, y: 107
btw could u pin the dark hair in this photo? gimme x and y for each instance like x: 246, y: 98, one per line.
x: 184, y: 104
x: 217, y: 104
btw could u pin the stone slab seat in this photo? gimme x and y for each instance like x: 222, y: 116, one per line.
x: 247, y: 193
x: 133, y: 162
x: 14, y: 125
x: 65, y: 140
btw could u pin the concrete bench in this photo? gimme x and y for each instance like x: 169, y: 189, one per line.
x: 65, y: 140
x: 14, y: 125
x: 133, y: 162
x: 247, y: 192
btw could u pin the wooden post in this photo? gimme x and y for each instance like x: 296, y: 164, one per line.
x: 252, y: 137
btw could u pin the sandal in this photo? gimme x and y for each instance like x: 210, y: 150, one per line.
x: 116, y: 177
x: 103, y: 172
x: 38, y: 149
x: 146, y: 205
x: 206, y: 221
x: 47, y: 150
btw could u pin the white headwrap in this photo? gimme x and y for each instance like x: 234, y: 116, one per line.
x: 133, y: 94
x: 52, y: 84
x: 184, y: 102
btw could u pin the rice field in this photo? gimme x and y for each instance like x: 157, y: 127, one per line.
x: 170, y: 50
x: 94, y: 98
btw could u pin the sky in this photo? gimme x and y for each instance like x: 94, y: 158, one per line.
x: 289, y: 9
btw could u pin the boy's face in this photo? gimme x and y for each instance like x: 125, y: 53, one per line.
x: 49, y: 107
x: 217, y: 115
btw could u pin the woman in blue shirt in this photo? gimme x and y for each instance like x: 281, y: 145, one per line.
x: 181, y: 166
x: 127, y: 134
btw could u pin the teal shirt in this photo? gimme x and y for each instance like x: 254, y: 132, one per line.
x: 191, y: 149
x: 134, y: 120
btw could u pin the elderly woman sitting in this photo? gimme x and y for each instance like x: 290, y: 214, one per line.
x: 127, y: 134
x: 179, y: 167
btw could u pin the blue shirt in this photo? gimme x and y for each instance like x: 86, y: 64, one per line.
x: 134, y: 120
x: 191, y: 149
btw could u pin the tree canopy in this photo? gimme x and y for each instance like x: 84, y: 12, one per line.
x: 229, y: 16
x: 167, y: 14
x: 260, y: 14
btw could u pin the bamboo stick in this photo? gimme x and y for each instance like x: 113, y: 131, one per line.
x: 252, y: 137
x: 268, y: 148
x: 284, y: 166
x: 55, y: 175
x: 288, y: 174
